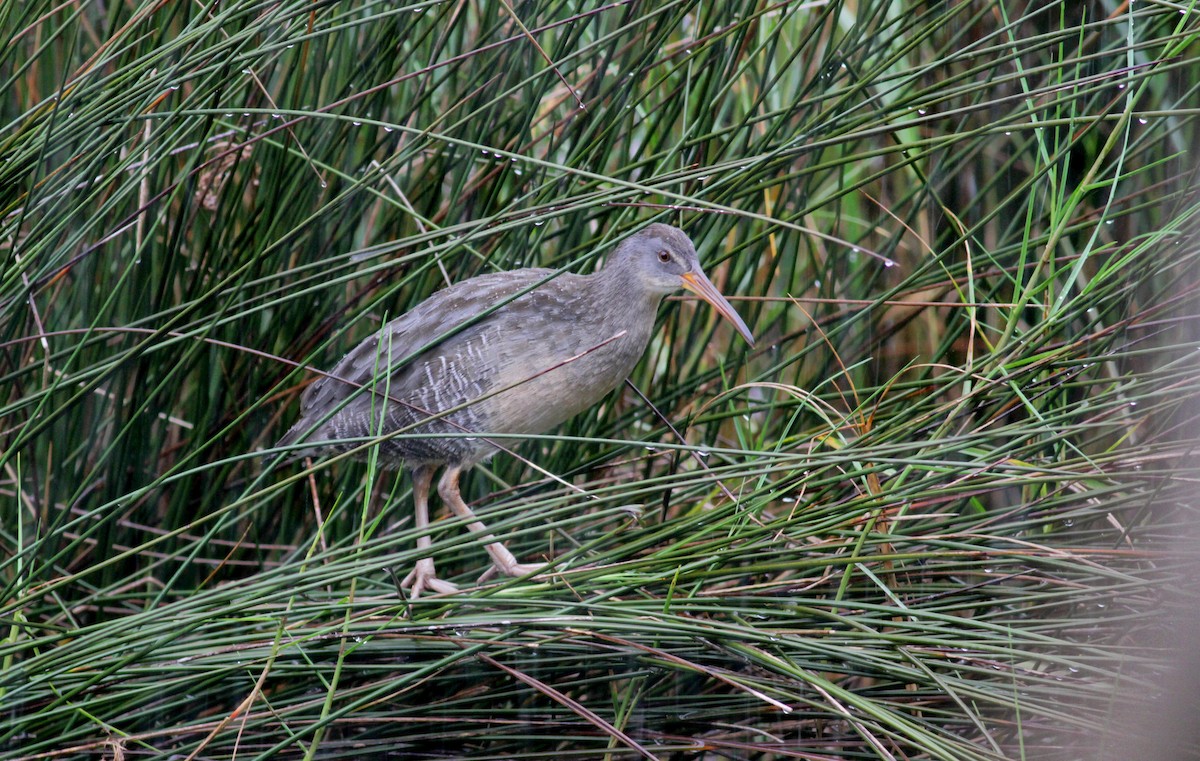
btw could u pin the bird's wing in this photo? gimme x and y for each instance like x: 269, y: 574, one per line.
x: 407, y: 335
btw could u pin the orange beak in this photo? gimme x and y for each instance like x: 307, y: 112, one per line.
x: 699, y: 284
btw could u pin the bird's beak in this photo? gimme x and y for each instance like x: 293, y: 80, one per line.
x: 699, y: 284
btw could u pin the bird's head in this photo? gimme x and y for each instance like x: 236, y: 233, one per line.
x: 662, y: 259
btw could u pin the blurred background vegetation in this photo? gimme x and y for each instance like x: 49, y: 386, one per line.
x: 939, y: 511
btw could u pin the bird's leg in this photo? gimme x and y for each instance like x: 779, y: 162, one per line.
x: 502, y: 559
x: 424, y: 576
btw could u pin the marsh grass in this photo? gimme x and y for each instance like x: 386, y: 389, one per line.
x: 940, y: 511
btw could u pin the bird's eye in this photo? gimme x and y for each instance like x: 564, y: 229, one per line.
x: 664, y: 256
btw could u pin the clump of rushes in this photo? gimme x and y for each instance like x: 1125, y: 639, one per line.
x: 939, y: 510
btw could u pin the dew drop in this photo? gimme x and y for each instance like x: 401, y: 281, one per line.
x: 387, y: 129
x: 1142, y: 120
x: 921, y: 111
x: 357, y: 124
x: 889, y: 263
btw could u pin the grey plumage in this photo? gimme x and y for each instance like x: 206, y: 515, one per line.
x: 540, y: 359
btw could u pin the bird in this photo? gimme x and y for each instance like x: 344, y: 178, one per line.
x: 512, y: 352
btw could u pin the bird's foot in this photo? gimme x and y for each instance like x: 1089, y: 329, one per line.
x: 423, y: 577
x: 513, y: 569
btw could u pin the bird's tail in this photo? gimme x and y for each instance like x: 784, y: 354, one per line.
x: 297, y: 434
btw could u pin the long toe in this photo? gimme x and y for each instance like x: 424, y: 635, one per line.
x: 513, y: 569
x: 423, y: 577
